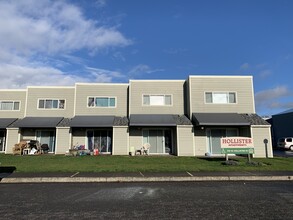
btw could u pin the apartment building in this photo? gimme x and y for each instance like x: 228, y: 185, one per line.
x: 178, y: 117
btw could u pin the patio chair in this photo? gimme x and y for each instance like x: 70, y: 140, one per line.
x: 146, y: 148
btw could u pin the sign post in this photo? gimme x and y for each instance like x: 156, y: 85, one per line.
x: 237, y: 145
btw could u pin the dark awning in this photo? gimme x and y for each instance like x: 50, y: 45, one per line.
x: 91, y: 121
x: 152, y: 120
x: 38, y: 122
x: 5, y: 122
x: 224, y: 119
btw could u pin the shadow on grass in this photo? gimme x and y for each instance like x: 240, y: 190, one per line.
x: 212, y: 158
x: 6, y: 171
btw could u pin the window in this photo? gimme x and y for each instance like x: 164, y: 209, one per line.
x: 9, y: 105
x: 157, y: 100
x: 220, y: 97
x: 51, y: 103
x: 102, y: 102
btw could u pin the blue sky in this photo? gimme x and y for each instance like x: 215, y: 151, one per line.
x: 63, y: 42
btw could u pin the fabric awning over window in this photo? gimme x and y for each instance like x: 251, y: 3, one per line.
x: 225, y: 119
x: 92, y: 121
x: 152, y: 120
x: 5, y: 122
x: 38, y: 122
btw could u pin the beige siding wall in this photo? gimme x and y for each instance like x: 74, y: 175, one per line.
x: 36, y: 93
x: 12, y: 138
x: 185, y: 146
x: 242, y: 85
x: 258, y: 135
x: 120, y: 141
x: 13, y: 95
x: 200, y: 142
x: 62, y: 140
x: 135, y: 138
x: 84, y: 91
x: 157, y: 87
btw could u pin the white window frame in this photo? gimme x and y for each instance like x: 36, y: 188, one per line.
x: 164, y: 95
x: 51, y: 99
x: 221, y: 92
x: 108, y: 97
x: 13, y: 105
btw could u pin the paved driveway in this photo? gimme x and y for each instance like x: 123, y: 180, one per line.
x: 283, y: 153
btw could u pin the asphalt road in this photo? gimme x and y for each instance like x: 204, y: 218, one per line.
x: 181, y: 200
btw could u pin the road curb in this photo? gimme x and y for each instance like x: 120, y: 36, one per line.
x: 142, y: 179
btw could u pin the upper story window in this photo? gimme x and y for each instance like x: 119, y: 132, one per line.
x: 220, y: 97
x: 9, y: 105
x: 51, y: 104
x: 105, y: 102
x: 157, y: 100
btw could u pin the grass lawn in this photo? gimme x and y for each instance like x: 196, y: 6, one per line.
x: 61, y: 163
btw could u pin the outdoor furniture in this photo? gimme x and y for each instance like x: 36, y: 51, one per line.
x: 146, y: 148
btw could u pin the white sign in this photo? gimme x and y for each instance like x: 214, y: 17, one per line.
x: 236, y: 142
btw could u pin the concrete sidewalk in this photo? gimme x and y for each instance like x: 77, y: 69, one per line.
x: 144, y: 177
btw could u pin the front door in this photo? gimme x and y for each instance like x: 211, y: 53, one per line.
x: 100, y: 139
x: 2, y: 141
x: 214, y: 138
x: 159, y: 139
x: 47, y: 137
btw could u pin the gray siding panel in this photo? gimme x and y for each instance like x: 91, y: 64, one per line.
x: 11, y: 139
x: 62, y: 140
x: 13, y: 95
x: 156, y: 87
x: 36, y: 93
x: 200, y: 142
x: 185, y: 145
x: 119, y: 91
x: 241, y: 85
x: 258, y: 135
x: 120, y: 141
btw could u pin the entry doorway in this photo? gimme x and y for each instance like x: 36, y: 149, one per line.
x: 159, y: 139
x: 214, y: 136
x: 47, y: 137
x: 100, y: 139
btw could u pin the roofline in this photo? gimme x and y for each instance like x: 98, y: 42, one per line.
x: 50, y: 87
x: 104, y: 84
x: 158, y: 80
x: 219, y: 76
x: 13, y: 90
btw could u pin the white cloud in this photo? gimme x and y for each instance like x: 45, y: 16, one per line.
x: 101, y: 3
x: 244, y: 66
x: 52, y: 27
x: 36, y: 36
x: 142, y: 68
x: 265, y: 73
x: 14, y: 76
x: 270, y: 94
x: 102, y: 75
x: 275, y: 98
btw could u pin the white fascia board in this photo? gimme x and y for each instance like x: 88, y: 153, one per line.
x: 157, y: 80
x: 219, y: 76
x: 50, y: 87
x: 13, y: 90
x: 101, y: 84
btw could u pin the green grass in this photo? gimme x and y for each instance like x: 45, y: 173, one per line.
x: 60, y: 163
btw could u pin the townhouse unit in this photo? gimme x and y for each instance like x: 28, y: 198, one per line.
x: 177, y: 117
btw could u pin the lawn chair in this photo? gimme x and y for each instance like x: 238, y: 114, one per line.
x: 146, y: 148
